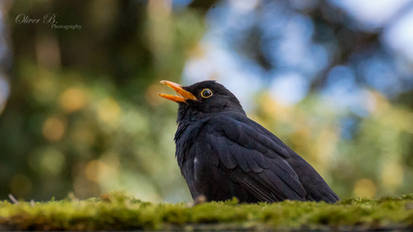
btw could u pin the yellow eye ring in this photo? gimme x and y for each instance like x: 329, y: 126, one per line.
x: 206, y: 93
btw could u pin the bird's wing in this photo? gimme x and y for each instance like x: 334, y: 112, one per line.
x: 253, y: 160
x: 317, y: 189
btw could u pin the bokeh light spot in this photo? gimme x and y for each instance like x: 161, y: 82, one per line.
x: 52, y: 161
x: 48, y: 161
x: 53, y: 128
x: 289, y: 88
x: 108, y: 110
x: 92, y: 170
x: 365, y: 188
x: 101, y: 170
x: 73, y: 99
x: 45, y: 87
x: 392, y: 175
x: 399, y: 36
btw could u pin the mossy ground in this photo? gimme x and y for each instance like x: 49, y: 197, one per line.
x: 119, y: 212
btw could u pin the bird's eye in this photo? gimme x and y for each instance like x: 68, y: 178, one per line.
x: 206, y: 93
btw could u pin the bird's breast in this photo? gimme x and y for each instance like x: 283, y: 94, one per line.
x: 185, y: 136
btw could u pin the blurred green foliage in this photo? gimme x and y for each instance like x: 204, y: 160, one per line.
x: 83, y: 114
x: 377, y: 160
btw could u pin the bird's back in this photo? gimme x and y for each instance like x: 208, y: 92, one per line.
x: 317, y: 189
x: 227, y: 155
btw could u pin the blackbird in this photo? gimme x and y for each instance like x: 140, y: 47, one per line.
x: 223, y: 154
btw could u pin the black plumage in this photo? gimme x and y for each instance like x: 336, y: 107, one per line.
x: 224, y: 154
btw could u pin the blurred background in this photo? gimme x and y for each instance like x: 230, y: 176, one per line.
x: 79, y: 111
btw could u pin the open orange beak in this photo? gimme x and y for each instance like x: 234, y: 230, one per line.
x: 185, y: 95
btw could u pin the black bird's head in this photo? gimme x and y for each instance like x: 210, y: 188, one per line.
x: 201, y: 99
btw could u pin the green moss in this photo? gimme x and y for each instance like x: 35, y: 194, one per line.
x: 119, y: 212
